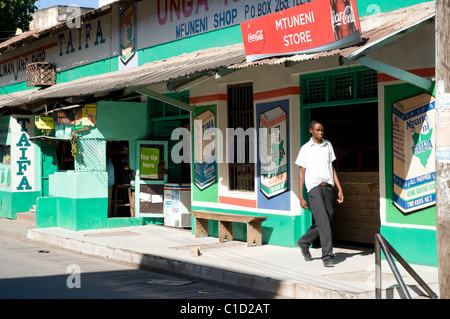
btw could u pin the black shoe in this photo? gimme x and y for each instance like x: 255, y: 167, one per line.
x: 304, y: 249
x: 328, y: 263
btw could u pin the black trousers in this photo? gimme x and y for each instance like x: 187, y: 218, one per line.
x: 321, y: 205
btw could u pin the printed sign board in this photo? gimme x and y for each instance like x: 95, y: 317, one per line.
x: 149, y: 162
x: 413, y: 134
x: 204, y: 150
x: 22, y: 153
x: 273, y: 154
x: 321, y: 25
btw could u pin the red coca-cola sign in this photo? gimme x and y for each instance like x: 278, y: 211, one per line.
x: 342, y: 18
x: 316, y: 26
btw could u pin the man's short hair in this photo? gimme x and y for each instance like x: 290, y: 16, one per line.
x: 313, y: 122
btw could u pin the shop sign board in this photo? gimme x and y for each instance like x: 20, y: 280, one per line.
x: 175, y: 20
x: 44, y: 122
x: 316, y: 26
x: 22, y: 153
x: 85, y: 117
x: 127, y: 34
x: 413, y: 134
x: 273, y: 152
x: 149, y: 162
x: 204, y: 149
x: 68, y: 49
x: 63, y: 117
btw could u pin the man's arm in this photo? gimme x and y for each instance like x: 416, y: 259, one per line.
x: 338, y: 185
x: 301, y: 182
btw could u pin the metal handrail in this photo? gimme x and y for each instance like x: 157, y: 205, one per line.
x: 382, y: 244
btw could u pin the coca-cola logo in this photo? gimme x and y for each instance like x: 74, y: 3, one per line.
x: 255, y: 38
x: 344, y: 17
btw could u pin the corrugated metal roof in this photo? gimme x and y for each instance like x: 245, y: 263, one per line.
x: 375, y: 30
x: 150, y: 73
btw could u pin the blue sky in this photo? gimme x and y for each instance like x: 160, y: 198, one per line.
x: 82, y: 3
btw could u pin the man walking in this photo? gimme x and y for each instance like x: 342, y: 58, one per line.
x: 318, y: 175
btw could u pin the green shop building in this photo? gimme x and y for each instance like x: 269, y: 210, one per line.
x: 163, y: 90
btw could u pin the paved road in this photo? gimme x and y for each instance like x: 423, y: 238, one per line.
x: 28, y: 270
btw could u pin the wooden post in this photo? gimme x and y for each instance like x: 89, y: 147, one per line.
x: 443, y: 145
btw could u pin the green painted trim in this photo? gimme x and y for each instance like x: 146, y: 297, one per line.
x: 416, y: 246
x: 82, y: 214
x: 219, y: 38
x: 95, y: 68
x: 281, y: 230
x: 370, y: 7
x: 395, y: 72
x: 124, y: 222
x: 46, y: 212
x: 152, y: 221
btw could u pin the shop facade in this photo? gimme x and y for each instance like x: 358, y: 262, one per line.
x: 230, y: 170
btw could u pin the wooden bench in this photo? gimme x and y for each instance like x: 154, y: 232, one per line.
x: 254, y: 228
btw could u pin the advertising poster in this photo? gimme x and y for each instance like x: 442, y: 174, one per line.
x: 44, y: 122
x: 316, y: 26
x: 413, y: 134
x: 273, y: 155
x: 204, y: 150
x: 127, y: 34
x: 85, y: 117
x: 272, y: 146
x: 149, y: 161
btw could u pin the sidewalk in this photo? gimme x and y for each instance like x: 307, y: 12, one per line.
x: 278, y: 271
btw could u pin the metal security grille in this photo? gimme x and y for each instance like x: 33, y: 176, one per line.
x: 91, y: 155
x: 316, y: 90
x: 40, y: 74
x: 162, y: 109
x: 342, y: 86
x: 240, y: 115
x: 368, y: 83
x: 339, y: 87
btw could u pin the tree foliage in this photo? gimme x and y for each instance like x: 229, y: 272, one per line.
x: 15, y: 14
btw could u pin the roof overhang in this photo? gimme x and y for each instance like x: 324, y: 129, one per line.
x: 190, y: 69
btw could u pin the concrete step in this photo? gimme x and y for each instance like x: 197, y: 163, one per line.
x: 27, y: 216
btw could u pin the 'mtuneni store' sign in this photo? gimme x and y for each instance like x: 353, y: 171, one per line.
x: 321, y: 25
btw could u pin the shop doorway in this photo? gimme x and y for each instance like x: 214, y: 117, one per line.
x: 353, y: 131
x: 120, y: 193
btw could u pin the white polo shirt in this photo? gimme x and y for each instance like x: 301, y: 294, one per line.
x: 317, y: 160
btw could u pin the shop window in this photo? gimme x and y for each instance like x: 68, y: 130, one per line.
x: 241, y: 172
x: 65, y: 160
x: 341, y: 87
x: 5, y: 154
x: 158, y: 109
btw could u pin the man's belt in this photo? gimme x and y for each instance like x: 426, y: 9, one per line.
x: 325, y: 184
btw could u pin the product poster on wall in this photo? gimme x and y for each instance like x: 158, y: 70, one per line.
x: 149, y: 162
x: 127, y: 34
x: 413, y: 134
x: 204, y: 150
x: 273, y: 151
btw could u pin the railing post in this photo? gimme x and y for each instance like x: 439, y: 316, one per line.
x: 377, y: 268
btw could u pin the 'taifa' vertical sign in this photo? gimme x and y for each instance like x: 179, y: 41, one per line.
x: 22, y: 153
